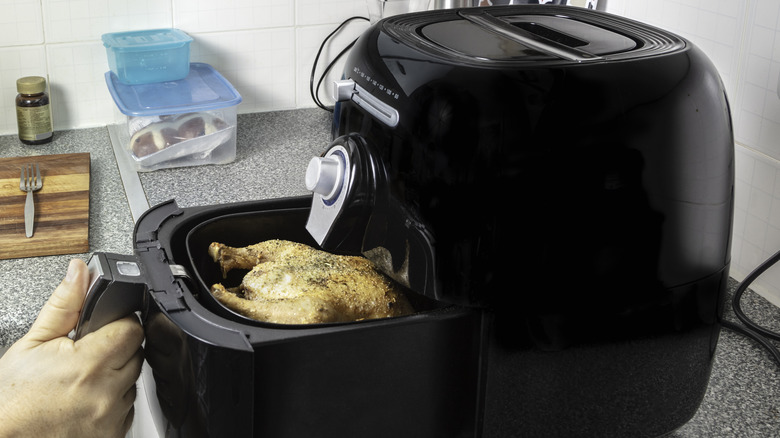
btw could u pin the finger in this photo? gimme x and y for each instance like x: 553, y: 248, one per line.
x: 127, y: 410
x: 128, y: 421
x: 127, y: 400
x: 130, y: 372
x: 61, y: 312
x: 121, y: 387
x: 130, y: 394
x: 115, y: 343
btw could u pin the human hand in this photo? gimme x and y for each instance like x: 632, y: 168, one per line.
x: 53, y: 386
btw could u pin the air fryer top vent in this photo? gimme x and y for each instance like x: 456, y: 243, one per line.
x: 521, y: 34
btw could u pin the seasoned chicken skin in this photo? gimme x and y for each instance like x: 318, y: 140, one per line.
x: 293, y: 283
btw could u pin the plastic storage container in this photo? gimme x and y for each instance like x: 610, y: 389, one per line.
x: 188, y: 122
x: 147, y: 56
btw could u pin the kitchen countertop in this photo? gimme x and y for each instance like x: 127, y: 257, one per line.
x: 743, y: 398
x: 26, y: 283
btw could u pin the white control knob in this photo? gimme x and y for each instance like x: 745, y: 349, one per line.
x: 324, y: 176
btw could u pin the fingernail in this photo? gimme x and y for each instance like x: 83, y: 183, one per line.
x: 71, y: 271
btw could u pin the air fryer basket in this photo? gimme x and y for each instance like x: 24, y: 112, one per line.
x: 247, y: 228
x: 416, y: 375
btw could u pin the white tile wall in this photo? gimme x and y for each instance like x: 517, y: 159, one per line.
x: 742, y: 37
x: 15, y: 63
x: 21, y: 22
x: 309, y: 41
x: 266, y: 49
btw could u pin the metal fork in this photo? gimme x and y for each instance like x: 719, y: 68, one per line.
x: 29, y: 183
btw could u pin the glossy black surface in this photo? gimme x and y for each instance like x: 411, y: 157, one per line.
x: 587, y: 205
x: 472, y: 40
x: 572, y: 220
x: 624, y: 166
x: 218, y: 375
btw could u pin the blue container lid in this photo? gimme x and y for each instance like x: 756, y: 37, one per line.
x: 143, y: 40
x: 202, y: 90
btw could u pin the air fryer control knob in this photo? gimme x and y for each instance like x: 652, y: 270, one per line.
x: 328, y: 177
x: 325, y: 176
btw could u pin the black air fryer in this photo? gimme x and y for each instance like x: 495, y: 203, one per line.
x: 553, y: 185
x: 570, y: 173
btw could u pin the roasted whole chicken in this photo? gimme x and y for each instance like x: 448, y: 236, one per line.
x: 293, y: 283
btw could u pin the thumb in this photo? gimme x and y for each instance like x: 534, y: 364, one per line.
x: 61, y: 312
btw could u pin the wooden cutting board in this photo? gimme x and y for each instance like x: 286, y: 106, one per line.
x: 61, y: 207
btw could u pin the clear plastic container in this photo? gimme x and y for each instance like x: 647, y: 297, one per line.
x: 189, y: 122
x: 148, y: 56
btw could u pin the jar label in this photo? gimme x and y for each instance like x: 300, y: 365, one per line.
x: 34, y: 122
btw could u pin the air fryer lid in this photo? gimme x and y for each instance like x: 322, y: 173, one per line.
x: 516, y: 36
x: 520, y: 34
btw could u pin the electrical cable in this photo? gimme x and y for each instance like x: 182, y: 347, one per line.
x: 736, y: 301
x: 764, y: 342
x: 315, y: 92
x: 751, y: 329
x: 327, y: 69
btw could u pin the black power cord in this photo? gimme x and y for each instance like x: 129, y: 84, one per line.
x: 315, y: 91
x: 764, y: 342
x: 754, y: 331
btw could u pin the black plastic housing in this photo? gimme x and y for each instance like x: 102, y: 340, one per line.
x: 586, y: 204
x: 573, y: 219
x: 220, y: 375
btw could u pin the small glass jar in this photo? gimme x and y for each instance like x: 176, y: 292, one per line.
x: 33, y: 113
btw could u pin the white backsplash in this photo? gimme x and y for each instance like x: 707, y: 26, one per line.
x: 742, y: 38
x: 266, y: 50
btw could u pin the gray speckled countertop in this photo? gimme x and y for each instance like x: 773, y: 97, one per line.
x: 743, y: 398
x: 26, y: 283
x: 273, y: 150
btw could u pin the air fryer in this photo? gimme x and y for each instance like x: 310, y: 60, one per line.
x: 560, y: 211
x: 569, y: 172
x: 217, y: 374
